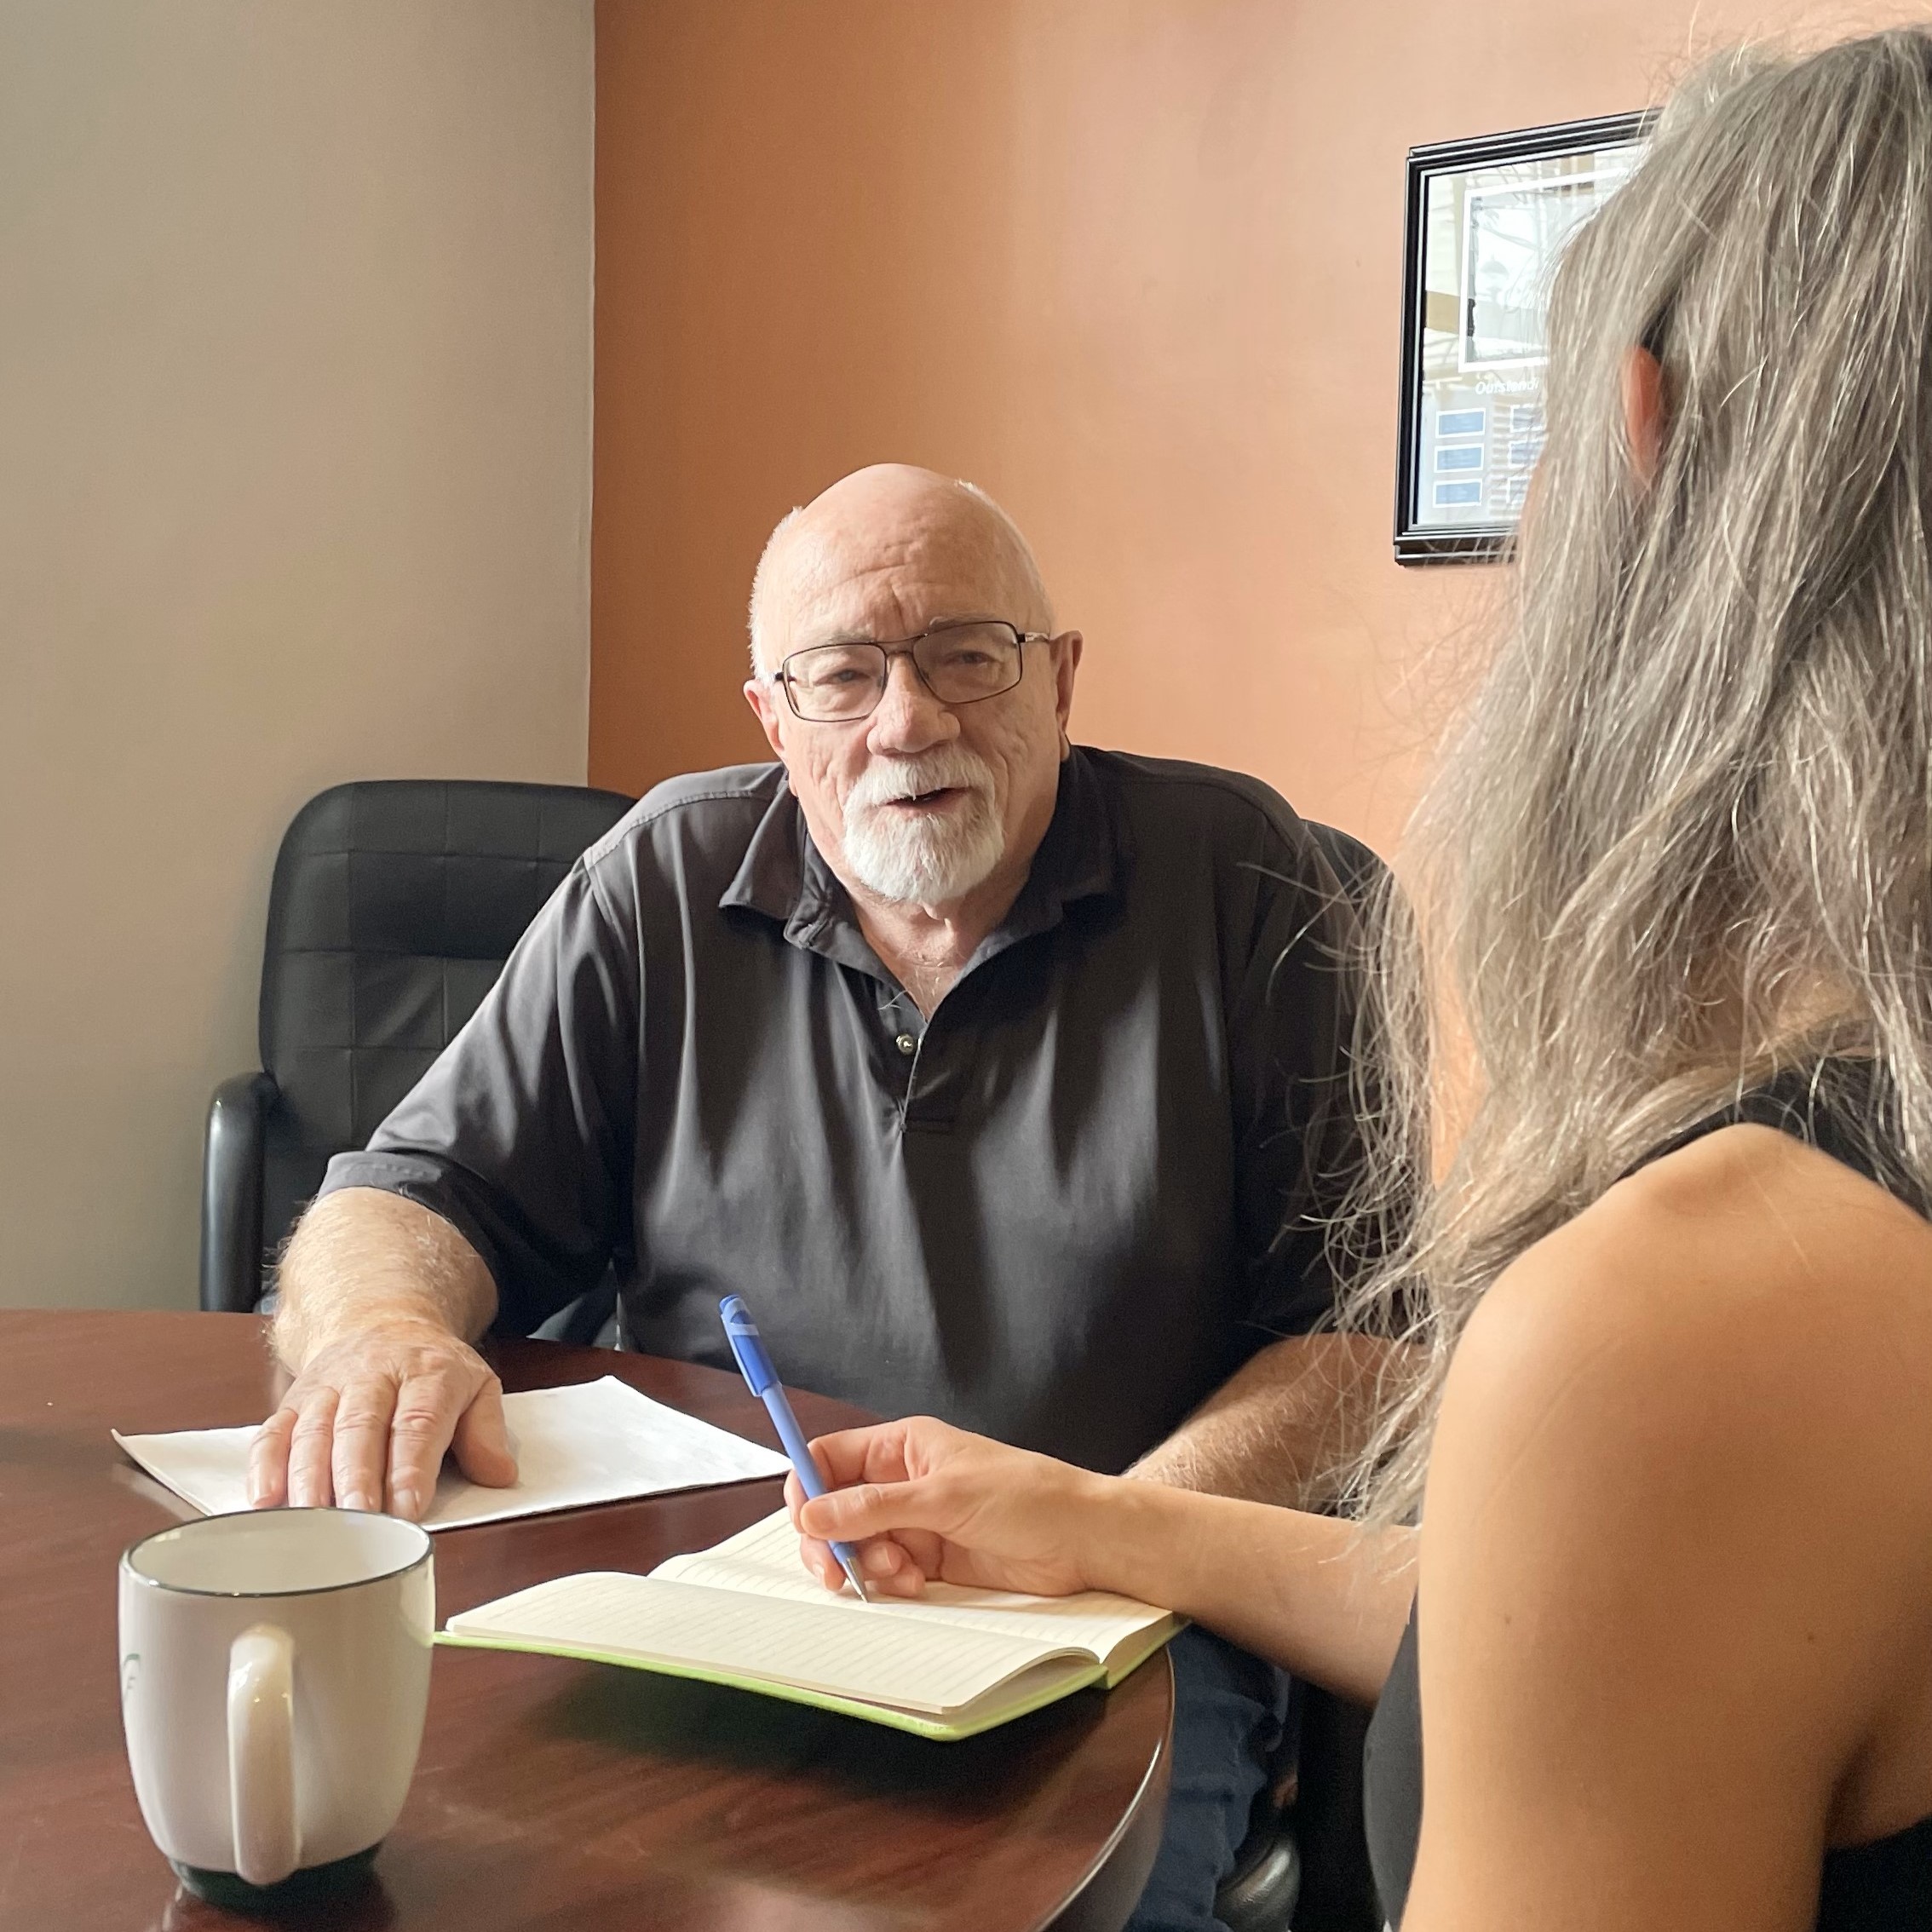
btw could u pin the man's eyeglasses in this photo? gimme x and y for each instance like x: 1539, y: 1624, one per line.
x: 960, y: 663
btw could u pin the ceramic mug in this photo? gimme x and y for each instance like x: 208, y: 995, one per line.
x: 275, y: 1674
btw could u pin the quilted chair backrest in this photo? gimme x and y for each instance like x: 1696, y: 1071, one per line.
x: 394, y: 903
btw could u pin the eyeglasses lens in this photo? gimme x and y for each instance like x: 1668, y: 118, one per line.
x: 960, y: 664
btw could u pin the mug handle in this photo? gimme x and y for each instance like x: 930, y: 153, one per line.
x: 262, y: 1754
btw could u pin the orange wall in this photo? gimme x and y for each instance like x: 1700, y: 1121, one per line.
x: 1132, y: 265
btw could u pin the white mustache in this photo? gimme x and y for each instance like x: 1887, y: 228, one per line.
x: 885, y: 783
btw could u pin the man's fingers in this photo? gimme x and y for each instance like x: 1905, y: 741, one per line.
x: 268, y: 1461
x: 361, y: 1455
x: 417, y: 1434
x: 312, y: 1446
x: 481, y: 1441
x: 367, y: 1423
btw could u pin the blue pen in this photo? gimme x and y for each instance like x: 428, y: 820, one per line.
x: 742, y: 1332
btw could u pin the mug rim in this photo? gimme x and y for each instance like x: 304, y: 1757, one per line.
x: 139, y: 1576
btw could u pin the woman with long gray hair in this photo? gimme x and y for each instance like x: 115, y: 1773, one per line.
x: 1654, y: 1069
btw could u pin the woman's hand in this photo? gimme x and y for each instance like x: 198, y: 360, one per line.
x: 921, y: 1500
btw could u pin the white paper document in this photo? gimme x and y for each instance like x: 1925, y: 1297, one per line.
x: 590, y: 1442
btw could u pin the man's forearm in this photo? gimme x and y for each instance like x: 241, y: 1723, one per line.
x: 362, y: 1258
x: 1281, y: 1429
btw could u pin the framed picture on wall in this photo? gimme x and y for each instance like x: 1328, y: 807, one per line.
x: 1485, y: 225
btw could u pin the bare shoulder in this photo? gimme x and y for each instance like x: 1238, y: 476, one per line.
x: 1683, y: 1441
x: 1745, y: 1284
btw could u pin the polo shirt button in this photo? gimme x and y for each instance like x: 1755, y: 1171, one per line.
x: 906, y: 1043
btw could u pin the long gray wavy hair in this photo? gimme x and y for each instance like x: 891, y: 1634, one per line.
x: 1682, y: 837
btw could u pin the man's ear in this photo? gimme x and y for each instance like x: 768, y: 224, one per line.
x: 1645, y: 412
x: 763, y: 700
x: 1066, y: 649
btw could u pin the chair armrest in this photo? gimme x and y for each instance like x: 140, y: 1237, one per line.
x: 231, y: 1193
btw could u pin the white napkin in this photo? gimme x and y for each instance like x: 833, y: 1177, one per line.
x: 590, y: 1442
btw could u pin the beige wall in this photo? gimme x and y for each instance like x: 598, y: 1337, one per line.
x: 1134, y: 265
x: 295, y: 371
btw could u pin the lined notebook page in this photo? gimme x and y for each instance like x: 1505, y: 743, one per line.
x: 763, y: 1561
x: 934, y: 1667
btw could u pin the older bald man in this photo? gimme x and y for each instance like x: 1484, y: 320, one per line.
x: 1004, y: 1078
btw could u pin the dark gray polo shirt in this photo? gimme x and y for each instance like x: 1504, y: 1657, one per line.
x: 1061, y: 1212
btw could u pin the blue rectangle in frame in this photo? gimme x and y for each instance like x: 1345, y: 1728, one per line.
x: 1461, y: 422
x: 1447, y: 495
x: 1460, y: 456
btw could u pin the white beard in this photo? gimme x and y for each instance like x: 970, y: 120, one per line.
x: 926, y: 862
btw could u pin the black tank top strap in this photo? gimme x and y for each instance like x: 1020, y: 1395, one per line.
x: 1838, y: 1106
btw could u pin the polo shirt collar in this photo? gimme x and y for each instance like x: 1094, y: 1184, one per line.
x: 785, y: 877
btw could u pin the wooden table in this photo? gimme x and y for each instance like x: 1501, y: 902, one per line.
x: 549, y: 1793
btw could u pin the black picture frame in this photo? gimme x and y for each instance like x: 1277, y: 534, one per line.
x: 1489, y: 535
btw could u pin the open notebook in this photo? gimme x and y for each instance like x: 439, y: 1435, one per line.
x: 745, y: 1612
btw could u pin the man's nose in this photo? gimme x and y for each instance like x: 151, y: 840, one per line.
x: 909, y: 718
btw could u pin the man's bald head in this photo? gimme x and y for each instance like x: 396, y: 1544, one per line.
x: 915, y: 536
x: 917, y: 799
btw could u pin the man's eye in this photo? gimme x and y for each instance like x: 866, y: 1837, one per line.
x: 841, y: 668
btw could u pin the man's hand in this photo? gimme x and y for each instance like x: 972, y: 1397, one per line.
x: 377, y: 1296
x: 367, y: 1422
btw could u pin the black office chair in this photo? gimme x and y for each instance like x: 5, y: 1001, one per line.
x: 394, y: 905
x: 1304, y: 1864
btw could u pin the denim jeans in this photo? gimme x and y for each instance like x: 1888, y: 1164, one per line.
x: 1228, y: 1711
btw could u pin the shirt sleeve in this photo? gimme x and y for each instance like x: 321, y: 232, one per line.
x: 521, y: 1133
x: 1298, y: 1147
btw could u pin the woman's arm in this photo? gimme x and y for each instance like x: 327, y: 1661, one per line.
x: 1313, y: 1594
x: 1321, y: 1597
x: 1668, y: 1582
